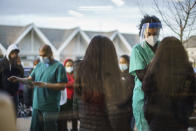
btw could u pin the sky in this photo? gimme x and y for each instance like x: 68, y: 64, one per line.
x: 93, y: 15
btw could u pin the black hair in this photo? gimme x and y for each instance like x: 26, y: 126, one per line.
x: 36, y: 61
x: 148, y: 19
x: 126, y: 57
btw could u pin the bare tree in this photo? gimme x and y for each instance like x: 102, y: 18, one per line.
x: 178, y: 15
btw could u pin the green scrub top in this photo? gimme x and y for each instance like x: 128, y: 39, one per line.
x: 141, y: 56
x: 46, y: 99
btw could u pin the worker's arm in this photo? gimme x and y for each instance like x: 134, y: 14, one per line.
x: 56, y: 86
x: 19, y: 79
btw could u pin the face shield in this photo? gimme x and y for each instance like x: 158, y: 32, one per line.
x: 150, y: 32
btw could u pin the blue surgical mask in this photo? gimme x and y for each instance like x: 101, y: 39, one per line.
x: 45, y: 60
x: 123, y: 67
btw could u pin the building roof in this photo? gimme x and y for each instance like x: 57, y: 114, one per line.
x: 57, y: 36
x: 191, y: 42
x: 9, y: 34
x: 131, y: 38
x: 91, y: 34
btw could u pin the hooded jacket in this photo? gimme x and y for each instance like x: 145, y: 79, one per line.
x: 70, y: 83
x: 7, y: 70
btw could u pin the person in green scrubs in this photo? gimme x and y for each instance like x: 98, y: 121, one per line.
x: 141, y: 56
x: 48, y: 78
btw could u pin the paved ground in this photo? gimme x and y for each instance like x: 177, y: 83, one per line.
x: 23, y: 124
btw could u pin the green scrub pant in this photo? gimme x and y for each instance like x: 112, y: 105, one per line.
x: 44, y: 120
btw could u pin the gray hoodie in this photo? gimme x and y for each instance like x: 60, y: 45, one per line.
x: 11, y: 48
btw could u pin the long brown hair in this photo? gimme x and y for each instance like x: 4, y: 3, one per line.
x: 98, y: 75
x: 170, y: 67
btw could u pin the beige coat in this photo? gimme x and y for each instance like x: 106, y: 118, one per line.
x: 7, y: 114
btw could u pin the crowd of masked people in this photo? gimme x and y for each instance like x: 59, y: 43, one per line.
x: 153, y: 89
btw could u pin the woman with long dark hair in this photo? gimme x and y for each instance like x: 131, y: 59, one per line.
x: 98, y: 86
x: 169, y: 88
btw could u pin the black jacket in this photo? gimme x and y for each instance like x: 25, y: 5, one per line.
x: 7, y: 70
x: 128, y: 84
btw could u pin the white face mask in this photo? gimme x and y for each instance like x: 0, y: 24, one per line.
x: 69, y: 69
x: 152, y: 40
x: 123, y: 67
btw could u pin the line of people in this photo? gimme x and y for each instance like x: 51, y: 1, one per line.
x: 155, y: 87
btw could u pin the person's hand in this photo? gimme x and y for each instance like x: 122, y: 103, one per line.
x: 40, y: 84
x: 13, y: 79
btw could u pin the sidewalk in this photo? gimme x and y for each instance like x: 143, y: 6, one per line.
x: 23, y: 124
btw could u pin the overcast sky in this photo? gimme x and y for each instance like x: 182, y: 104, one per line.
x: 95, y: 15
